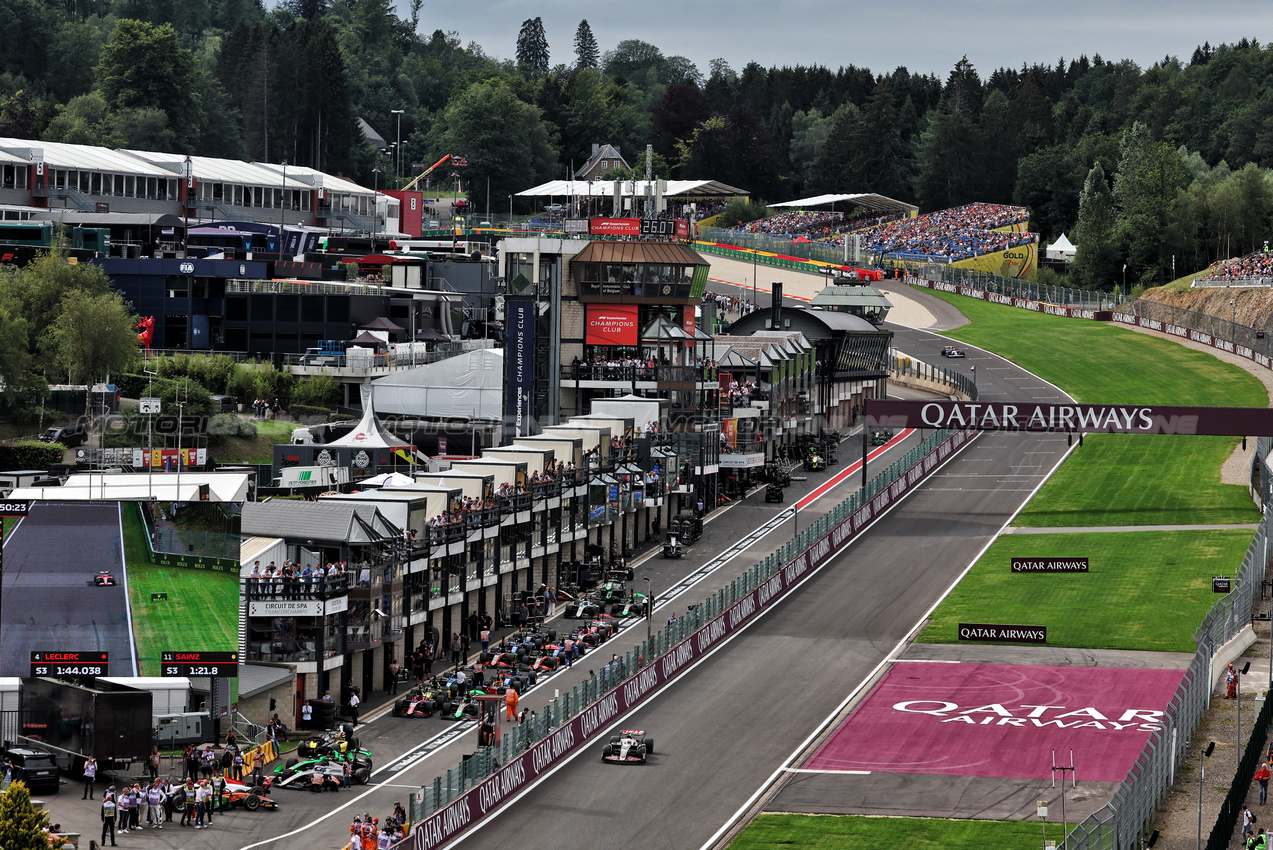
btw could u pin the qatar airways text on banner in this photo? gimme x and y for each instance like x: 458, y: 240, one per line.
x: 1001, y: 720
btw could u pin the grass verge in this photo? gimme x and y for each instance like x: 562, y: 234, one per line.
x: 1135, y: 578
x: 258, y: 449
x: 1162, y: 480
x: 200, y: 613
x: 770, y: 832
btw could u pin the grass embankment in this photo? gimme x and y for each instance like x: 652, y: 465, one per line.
x: 258, y: 449
x: 769, y: 832
x: 1146, y: 590
x: 1123, y: 479
x: 200, y: 613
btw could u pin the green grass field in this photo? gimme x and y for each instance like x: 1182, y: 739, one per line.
x: 770, y: 832
x: 1146, y: 590
x: 1101, y: 363
x: 201, y: 612
x: 1161, y: 480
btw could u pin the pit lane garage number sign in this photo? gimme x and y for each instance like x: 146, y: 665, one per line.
x: 224, y: 665
x: 70, y: 663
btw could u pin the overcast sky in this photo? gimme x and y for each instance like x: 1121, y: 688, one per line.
x: 927, y: 36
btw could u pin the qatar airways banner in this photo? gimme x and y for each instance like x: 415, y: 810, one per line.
x: 1001, y: 720
x: 1012, y: 301
x: 451, y: 821
x: 611, y: 324
x: 1071, y: 418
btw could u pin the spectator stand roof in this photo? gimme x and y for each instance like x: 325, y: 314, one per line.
x: 85, y: 158
x: 218, y: 170
x: 605, y: 189
x: 875, y: 203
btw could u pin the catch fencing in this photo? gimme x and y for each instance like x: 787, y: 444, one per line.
x: 466, y: 794
x: 1122, y: 822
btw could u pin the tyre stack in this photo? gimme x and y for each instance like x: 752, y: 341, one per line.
x: 324, y: 714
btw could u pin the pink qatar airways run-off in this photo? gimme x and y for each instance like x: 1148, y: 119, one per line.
x: 1001, y: 720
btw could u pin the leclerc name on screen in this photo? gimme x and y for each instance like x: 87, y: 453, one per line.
x: 1070, y: 418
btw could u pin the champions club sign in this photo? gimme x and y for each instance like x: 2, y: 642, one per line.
x: 1071, y: 418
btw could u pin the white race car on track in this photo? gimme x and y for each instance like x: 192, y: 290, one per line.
x: 630, y: 746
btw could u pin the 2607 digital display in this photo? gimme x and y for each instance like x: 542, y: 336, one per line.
x: 223, y: 665
x: 94, y: 663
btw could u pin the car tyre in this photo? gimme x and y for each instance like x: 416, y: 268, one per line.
x: 362, y: 776
x: 251, y: 802
x: 258, y: 791
x: 607, y: 750
x: 649, y: 746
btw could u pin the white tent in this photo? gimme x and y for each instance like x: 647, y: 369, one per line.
x: 469, y: 385
x: 369, y: 433
x: 642, y: 411
x: 388, y: 479
x: 1061, y: 249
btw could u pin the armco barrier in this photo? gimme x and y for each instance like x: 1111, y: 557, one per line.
x: 728, y: 610
x: 1121, y: 823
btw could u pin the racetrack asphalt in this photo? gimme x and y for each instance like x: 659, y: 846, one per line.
x: 728, y: 725
x: 48, y: 600
x: 411, y: 751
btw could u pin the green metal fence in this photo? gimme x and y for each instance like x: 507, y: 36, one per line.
x: 476, y: 767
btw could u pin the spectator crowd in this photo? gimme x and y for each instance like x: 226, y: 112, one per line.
x: 1257, y: 265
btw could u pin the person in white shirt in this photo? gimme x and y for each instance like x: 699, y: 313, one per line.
x: 353, y: 707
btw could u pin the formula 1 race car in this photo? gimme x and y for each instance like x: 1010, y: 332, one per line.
x: 332, y: 746
x: 673, y: 547
x: 361, y: 767
x: 315, y: 775
x: 951, y: 351
x: 881, y: 436
x: 630, y: 746
x: 420, y: 702
x: 105, y: 578
x: 246, y: 799
x: 815, y: 463
x: 773, y: 493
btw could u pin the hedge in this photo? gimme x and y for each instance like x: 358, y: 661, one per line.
x: 30, y: 454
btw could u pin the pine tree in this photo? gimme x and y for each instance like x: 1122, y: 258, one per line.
x: 532, y: 47
x: 20, y: 824
x: 1096, y: 263
x: 587, y: 54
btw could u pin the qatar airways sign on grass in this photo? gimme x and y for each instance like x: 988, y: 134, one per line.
x: 1001, y: 720
x: 1071, y: 418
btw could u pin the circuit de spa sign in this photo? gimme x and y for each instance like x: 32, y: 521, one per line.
x: 1071, y: 418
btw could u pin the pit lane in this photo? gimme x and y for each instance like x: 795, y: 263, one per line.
x: 728, y: 725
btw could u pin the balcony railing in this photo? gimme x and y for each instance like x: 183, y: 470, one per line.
x: 631, y: 372
x: 315, y: 587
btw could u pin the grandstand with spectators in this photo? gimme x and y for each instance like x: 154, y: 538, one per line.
x: 1252, y: 270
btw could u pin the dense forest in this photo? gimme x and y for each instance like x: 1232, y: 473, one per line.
x: 1161, y: 169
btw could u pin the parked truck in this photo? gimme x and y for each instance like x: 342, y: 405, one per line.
x: 298, y: 477
x: 110, y: 721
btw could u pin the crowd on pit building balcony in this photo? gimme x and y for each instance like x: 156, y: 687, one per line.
x: 292, y: 578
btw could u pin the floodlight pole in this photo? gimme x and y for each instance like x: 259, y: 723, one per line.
x: 1202, y: 770
x: 1065, y: 827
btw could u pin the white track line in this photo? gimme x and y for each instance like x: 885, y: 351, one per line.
x: 128, y: 606
x: 888, y: 659
x: 680, y: 675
